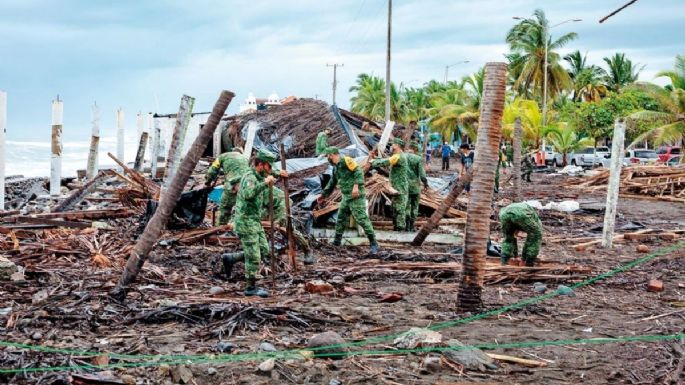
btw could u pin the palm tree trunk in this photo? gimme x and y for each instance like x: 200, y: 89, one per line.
x: 517, y: 159
x: 482, y: 188
x: 433, y: 221
x: 154, y: 228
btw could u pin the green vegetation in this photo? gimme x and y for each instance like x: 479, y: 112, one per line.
x: 584, y: 100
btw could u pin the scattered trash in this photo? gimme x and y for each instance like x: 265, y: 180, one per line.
x: 330, y: 339
x: 416, y: 337
x: 267, y: 366
x: 470, y: 358
x: 565, y: 290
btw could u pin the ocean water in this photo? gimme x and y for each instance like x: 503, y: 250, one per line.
x: 32, y: 159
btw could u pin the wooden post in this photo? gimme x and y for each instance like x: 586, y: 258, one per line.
x: 176, y: 147
x: 140, y: 155
x: 56, y: 156
x: 3, y: 131
x: 482, y: 188
x: 516, y: 161
x: 156, y: 136
x: 216, y: 142
x: 434, y: 220
x: 120, y: 135
x: 140, y: 125
x: 153, y: 230
x: 272, y: 249
x: 92, y: 167
x: 252, y: 128
x: 385, y: 137
x: 289, y: 221
x: 615, y: 164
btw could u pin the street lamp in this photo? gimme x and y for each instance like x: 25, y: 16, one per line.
x: 545, y: 70
x: 452, y: 65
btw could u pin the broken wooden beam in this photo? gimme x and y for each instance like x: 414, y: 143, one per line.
x: 78, y: 195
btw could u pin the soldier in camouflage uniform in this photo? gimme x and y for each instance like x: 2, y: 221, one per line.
x: 348, y: 174
x: 248, y: 216
x: 520, y: 217
x: 527, y: 167
x: 322, y: 141
x: 281, y: 220
x: 399, y: 169
x: 417, y: 176
x: 233, y: 164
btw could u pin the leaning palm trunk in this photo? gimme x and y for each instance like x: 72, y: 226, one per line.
x: 482, y: 187
x: 516, y: 166
x: 433, y: 221
x: 154, y: 228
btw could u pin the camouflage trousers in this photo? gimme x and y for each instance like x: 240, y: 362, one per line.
x: 413, y: 206
x: 399, y: 211
x: 520, y: 219
x: 357, y: 208
x: 228, y: 199
x: 255, y: 247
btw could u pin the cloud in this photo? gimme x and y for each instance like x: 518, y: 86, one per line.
x: 141, y: 55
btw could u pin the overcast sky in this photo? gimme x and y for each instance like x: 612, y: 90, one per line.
x: 143, y: 55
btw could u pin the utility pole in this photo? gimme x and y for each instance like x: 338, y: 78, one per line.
x: 335, y: 76
x: 387, y: 65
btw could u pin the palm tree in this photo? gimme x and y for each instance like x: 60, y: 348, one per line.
x: 621, y: 71
x: 158, y: 221
x: 527, y: 43
x: 565, y: 140
x: 531, y: 120
x: 587, y: 80
x: 677, y: 75
x: 670, y: 123
x: 451, y: 110
x: 369, y: 99
x: 475, y: 87
x: 480, y: 203
x: 414, y: 103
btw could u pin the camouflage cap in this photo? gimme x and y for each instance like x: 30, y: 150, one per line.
x: 331, y: 150
x: 414, y: 145
x: 398, y: 141
x: 266, y: 156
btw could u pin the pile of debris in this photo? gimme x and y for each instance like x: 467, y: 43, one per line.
x: 296, y: 124
x: 379, y: 192
x: 658, y: 182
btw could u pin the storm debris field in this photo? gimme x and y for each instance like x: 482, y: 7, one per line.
x: 352, y: 317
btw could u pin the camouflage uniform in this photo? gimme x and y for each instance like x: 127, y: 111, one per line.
x: 520, y: 217
x: 416, y: 176
x: 233, y: 164
x: 248, y: 226
x: 280, y: 216
x: 527, y: 164
x: 321, y: 143
x: 347, y: 173
x: 399, y: 168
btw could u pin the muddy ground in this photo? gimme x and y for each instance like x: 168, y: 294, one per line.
x: 171, y: 311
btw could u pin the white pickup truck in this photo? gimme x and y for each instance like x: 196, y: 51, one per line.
x: 589, y: 156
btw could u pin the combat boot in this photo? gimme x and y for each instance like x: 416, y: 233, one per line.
x: 373, y: 248
x: 309, y: 258
x: 251, y: 289
x: 337, y: 241
x: 410, y: 225
x: 229, y: 259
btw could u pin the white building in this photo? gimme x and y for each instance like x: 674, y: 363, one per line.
x: 252, y: 103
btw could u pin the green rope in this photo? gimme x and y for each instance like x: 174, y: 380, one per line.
x: 289, y: 354
x: 368, y: 341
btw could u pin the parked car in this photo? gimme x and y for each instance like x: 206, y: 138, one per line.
x: 552, y: 158
x: 589, y: 156
x: 667, y: 152
x: 642, y: 156
x: 676, y: 160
